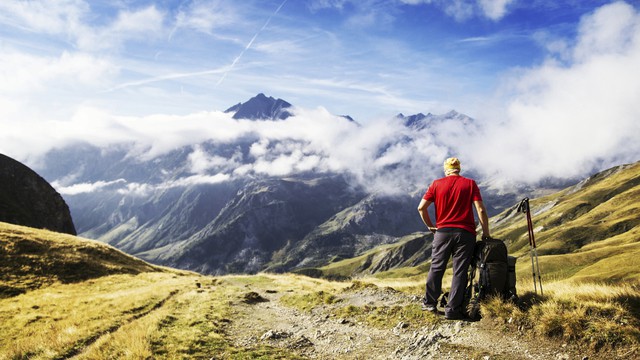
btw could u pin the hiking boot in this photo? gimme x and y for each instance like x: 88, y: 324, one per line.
x: 429, y: 308
x: 455, y: 316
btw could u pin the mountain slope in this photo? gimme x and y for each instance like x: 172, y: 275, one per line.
x: 586, y: 231
x: 374, y: 220
x: 34, y: 258
x: 260, y: 220
x: 27, y: 199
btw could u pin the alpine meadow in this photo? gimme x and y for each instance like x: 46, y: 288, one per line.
x: 68, y: 297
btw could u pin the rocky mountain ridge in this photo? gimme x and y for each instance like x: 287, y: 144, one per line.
x: 261, y: 107
x: 28, y: 199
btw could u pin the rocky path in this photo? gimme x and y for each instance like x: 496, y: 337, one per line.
x: 320, y: 334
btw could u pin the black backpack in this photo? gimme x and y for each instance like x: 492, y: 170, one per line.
x: 496, y: 274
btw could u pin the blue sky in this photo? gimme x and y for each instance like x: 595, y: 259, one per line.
x: 74, y: 65
x: 363, y: 58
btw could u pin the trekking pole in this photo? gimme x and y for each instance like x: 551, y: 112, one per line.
x: 524, y: 208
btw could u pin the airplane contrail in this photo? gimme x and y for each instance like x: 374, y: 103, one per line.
x: 163, y: 78
x: 224, y: 75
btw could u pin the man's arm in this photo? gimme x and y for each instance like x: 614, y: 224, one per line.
x: 422, y: 209
x: 483, y: 217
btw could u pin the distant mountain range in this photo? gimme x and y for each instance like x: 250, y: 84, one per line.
x: 157, y: 209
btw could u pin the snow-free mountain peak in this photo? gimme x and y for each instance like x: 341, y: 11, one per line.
x: 261, y: 107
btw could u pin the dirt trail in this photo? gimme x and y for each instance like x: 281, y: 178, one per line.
x: 322, y: 335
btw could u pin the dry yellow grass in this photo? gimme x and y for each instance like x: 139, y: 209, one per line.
x: 121, y: 307
x: 58, y: 318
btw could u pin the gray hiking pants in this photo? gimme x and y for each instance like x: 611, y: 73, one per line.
x: 461, y: 244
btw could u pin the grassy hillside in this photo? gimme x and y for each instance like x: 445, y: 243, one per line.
x: 588, y: 232
x: 67, y: 297
x: 34, y: 258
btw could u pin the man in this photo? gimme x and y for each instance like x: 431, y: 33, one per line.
x: 454, y: 234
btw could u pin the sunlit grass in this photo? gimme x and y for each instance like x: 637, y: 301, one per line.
x: 598, y: 316
x: 58, y: 318
x: 116, y: 306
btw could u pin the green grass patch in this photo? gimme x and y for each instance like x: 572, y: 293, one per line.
x: 306, y: 302
x: 383, y: 317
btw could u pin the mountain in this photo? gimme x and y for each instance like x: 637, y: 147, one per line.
x: 226, y: 206
x: 374, y: 220
x: 264, y: 217
x: 261, y: 107
x: 421, y: 121
x: 28, y: 199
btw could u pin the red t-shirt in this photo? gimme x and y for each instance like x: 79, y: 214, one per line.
x: 453, y: 197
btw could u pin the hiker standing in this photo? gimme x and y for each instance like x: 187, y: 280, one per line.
x: 454, y: 234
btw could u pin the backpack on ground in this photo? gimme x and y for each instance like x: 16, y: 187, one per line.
x: 496, y: 274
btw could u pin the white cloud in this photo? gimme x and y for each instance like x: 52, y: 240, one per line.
x: 494, y: 9
x: 22, y: 74
x: 52, y: 17
x: 133, y: 188
x: 72, y: 19
x: 462, y: 10
x: 196, y: 180
x: 566, y: 119
x: 205, y: 16
x: 81, y: 188
x: 612, y: 30
x: 141, y: 25
x: 201, y: 163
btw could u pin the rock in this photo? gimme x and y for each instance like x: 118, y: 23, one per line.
x: 253, y: 298
x: 398, y: 329
x: 301, y: 342
x: 29, y: 200
x: 274, y: 335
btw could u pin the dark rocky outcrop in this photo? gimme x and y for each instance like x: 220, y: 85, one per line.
x: 29, y: 200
